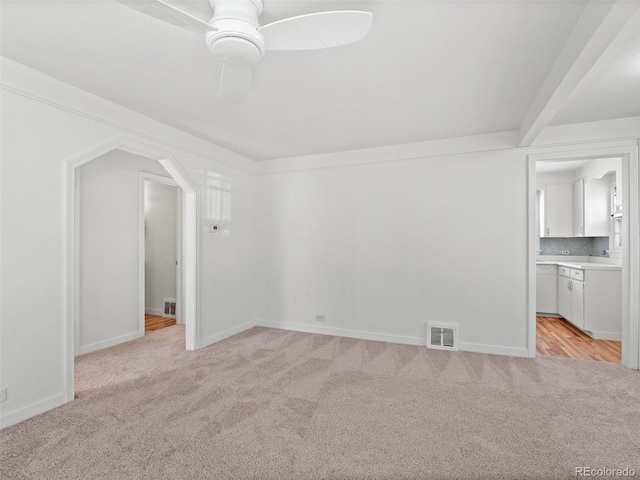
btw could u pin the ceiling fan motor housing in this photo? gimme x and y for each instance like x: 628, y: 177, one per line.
x: 237, y: 40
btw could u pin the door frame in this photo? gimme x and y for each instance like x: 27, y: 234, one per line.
x: 189, y: 244
x: 628, y: 151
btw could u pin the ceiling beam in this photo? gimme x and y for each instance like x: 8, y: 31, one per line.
x: 597, y: 27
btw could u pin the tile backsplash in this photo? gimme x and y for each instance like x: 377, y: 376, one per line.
x: 579, y: 246
x: 598, y: 246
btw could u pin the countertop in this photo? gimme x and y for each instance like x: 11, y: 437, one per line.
x: 580, y: 265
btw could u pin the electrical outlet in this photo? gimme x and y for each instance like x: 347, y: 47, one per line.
x: 320, y: 318
x: 565, y: 252
x: 3, y: 395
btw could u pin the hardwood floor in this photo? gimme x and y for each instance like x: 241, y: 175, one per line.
x: 156, y: 322
x: 558, y: 338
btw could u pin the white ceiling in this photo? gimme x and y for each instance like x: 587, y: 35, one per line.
x: 426, y: 70
x: 612, y: 90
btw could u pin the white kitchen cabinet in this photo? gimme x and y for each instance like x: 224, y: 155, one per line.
x: 564, y: 292
x: 591, y: 300
x: 578, y: 208
x: 597, y: 211
x: 591, y: 208
x: 603, y: 304
x: 546, y: 290
x: 558, y: 210
x: 571, y: 291
x: 576, y: 289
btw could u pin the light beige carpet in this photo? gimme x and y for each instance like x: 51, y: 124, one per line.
x: 275, y: 404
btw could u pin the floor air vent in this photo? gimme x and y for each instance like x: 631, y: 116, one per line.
x: 443, y: 337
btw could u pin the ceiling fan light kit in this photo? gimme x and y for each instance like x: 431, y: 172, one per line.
x: 235, y: 37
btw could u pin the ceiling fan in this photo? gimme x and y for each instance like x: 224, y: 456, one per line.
x: 236, y: 38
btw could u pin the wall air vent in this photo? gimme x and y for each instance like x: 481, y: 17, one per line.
x: 170, y: 307
x: 443, y: 337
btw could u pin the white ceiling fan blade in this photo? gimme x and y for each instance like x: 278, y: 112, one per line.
x: 168, y: 13
x: 235, y: 83
x: 317, y: 30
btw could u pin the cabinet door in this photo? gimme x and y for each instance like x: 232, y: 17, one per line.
x: 577, y: 304
x: 578, y: 208
x: 559, y: 210
x: 546, y: 293
x: 564, y: 297
x: 596, y: 208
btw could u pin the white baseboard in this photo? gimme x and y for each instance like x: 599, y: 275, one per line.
x: 494, y: 350
x: 390, y: 338
x: 605, y: 335
x: 8, y: 419
x: 110, y: 343
x: 205, y: 342
x: 342, y: 332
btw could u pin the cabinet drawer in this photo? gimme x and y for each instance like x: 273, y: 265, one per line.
x: 546, y: 269
x: 577, y: 274
x: 564, y: 271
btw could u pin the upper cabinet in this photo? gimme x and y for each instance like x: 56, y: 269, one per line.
x: 591, y: 210
x: 597, y: 211
x: 578, y: 208
x: 558, y: 208
x: 575, y: 199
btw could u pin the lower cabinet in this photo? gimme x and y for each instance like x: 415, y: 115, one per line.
x: 591, y: 300
x: 577, y: 303
x: 571, y: 295
x: 564, y: 294
x: 546, y: 288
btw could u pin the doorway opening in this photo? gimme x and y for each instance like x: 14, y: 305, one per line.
x: 96, y: 294
x: 583, y: 254
x: 579, y: 259
x: 161, y: 222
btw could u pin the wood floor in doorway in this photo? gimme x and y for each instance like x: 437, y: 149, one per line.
x: 156, y: 322
x: 558, y: 338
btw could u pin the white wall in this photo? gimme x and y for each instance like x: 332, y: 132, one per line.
x: 45, y: 124
x: 596, y: 168
x: 544, y: 179
x: 109, y: 219
x: 160, y: 245
x: 600, y: 167
x: 380, y: 249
